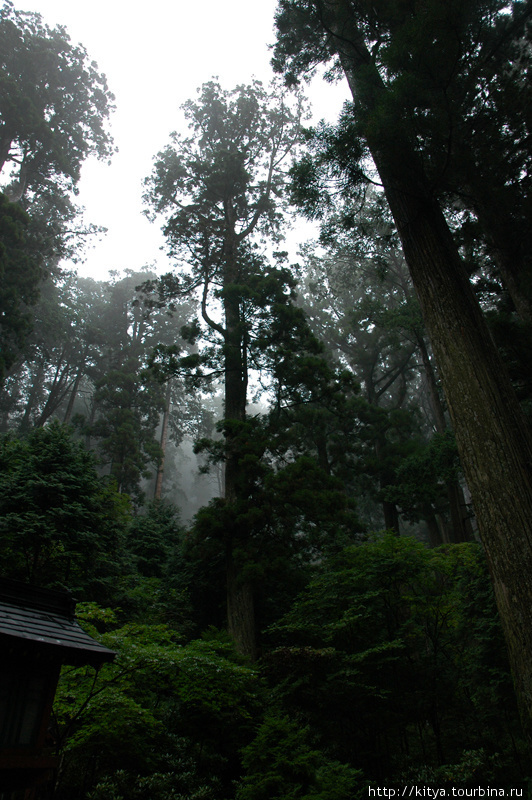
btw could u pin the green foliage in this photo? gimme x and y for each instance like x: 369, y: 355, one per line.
x: 421, y: 477
x: 54, y: 104
x: 130, y: 404
x: 475, y: 768
x: 128, y: 398
x: 152, y: 538
x: 20, y: 275
x: 385, y: 661
x: 393, y: 657
x: 61, y: 525
x: 285, y: 517
x: 161, y: 706
x: 238, y: 141
x: 280, y: 764
x: 177, y: 779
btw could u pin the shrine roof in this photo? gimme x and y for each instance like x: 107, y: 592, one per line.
x: 32, y: 618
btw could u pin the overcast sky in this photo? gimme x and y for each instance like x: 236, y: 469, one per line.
x: 155, y: 55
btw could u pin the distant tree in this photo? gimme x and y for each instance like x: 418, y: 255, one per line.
x: 53, y: 108
x: 53, y: 111
x: 61, y: 351
x: 129, y: 398
x: 153, y: 537
x: 220, y: 191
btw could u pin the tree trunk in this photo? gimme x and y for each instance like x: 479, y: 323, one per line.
x: 164, y: 439
x: 240, y: 600
x: 56, y: 395
x: 92, y: 417
x: 240, y: 610
x: 6, y: 141
x: 73, y: 396
x: 436, y: 527
x: 36, y: 387
x: 386, y: 478
x: 391, y: 516
x: 491, y: 433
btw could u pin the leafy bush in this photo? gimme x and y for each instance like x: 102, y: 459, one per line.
x: 129, y: 722
x: 281, y: 765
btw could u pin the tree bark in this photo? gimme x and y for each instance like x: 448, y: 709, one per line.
x: 164, y: 439
x: 491, y: 433
x: 240, y: 609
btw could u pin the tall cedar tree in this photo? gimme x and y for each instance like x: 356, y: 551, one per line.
x: 381, y: 50
x: 220, y: 191
x: 54, y: 107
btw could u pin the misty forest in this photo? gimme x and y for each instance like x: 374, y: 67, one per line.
x: 292, y: 493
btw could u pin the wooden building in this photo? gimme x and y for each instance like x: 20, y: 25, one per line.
x: 38, y: 634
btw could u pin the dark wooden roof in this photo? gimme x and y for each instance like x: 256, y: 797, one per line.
x: 33, y: 619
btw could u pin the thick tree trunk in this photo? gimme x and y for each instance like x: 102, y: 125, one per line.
x: 240, y: 609
x: 240, y: 599
x: 491, y: 433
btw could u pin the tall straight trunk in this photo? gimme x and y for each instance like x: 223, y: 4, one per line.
x: 92, y: 417
x: 164, y: 439
x: 386, y: 478
x: 240, y: 608
x: 240, y: 594
x: 491, y: 432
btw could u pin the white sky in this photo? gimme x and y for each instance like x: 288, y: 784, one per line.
x: 155, y: 55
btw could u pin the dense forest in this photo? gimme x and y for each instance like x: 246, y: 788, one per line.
x: 294, y: 498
